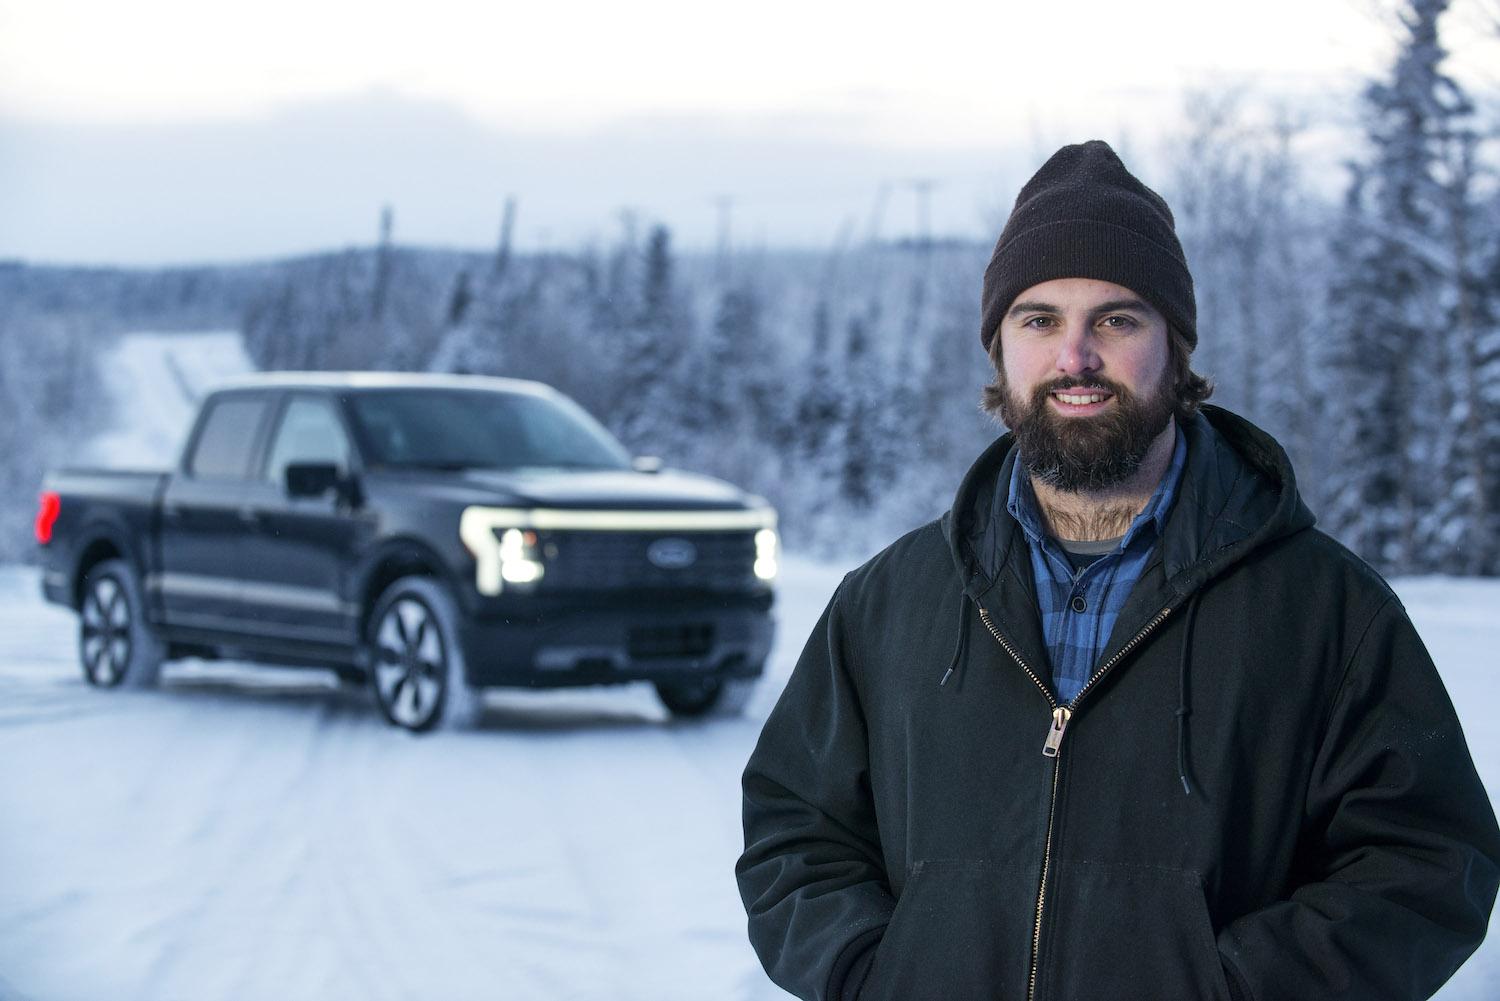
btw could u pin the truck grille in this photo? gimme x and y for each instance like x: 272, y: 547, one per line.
x: 720, y: 561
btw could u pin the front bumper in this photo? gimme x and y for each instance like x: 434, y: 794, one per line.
x: 605, y: 640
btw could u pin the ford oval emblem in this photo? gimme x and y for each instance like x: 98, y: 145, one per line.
x: 672, y: 554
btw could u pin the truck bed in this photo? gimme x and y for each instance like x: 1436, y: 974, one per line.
x: 122, y: 504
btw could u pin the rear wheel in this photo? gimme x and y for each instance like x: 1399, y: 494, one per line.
x: 116, y: 645
x: 417, y: 668
x: 706, y: 696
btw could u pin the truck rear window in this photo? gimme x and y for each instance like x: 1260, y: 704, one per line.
x: 224, y: 445
x: 463, y: 429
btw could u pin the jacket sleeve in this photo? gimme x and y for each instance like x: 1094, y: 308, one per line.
x: 811, y: 876
x: 1400, y: 846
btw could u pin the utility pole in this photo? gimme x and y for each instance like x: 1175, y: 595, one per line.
x: 725, y: 204
x: 382, y: 262
x: 877, y: 212
x: 922, y: 188
x: 507, y: 224
x: 629, y: 223
x: 836, y: 256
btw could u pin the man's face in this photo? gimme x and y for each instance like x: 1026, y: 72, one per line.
x: 1085, y: 381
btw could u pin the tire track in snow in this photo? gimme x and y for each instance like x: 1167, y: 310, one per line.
x: 410, y: 842
x: 246, y: 844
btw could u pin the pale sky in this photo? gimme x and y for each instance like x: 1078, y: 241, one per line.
x: 174, y: 130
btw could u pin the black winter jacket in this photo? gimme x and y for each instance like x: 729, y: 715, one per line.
x: 1263, y: 792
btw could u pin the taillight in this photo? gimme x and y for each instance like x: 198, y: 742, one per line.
x: 46, y: 516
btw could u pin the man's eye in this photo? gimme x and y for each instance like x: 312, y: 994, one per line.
x: 1119, y: 322
x: 1038, y: 322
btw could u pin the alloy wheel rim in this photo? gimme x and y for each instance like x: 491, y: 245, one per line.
x: 104, y: 635
x: 410, y: 663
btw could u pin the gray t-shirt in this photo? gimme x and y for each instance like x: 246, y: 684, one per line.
x: 1083, y: 554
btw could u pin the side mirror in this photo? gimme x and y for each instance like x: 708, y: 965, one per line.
x: 646, y: 464
x: 312, y: 479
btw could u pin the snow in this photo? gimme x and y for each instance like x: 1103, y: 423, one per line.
x: 155, y: 382
x: 250, y: 832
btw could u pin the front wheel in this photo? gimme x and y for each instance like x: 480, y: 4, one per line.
x: 417, y: 668
x: 116, y: 645
x: 706, y: 696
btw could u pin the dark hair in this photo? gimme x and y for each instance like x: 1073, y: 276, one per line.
x: 1190, y: 388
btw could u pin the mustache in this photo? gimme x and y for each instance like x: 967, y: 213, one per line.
x: 1080, y: 382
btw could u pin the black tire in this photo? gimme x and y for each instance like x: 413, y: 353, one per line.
x: 116, y: 645
x: 417, y: 670
x: 699, y: 697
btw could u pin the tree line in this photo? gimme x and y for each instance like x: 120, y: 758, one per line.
x: 1362, y: 330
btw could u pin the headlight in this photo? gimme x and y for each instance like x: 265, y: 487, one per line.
x: 503, y: 554
x: 518, y: 557
x: 766, y: 547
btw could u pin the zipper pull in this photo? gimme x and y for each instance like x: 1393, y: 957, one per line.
x: 1060, y: 717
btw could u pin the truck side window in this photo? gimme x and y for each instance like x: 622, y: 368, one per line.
x: 227, y: 439
x: 310, y: 432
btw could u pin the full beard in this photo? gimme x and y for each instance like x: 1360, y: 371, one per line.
x: 1085, y: 454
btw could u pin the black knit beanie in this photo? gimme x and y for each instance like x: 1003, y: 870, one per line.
x: 1085, y: 216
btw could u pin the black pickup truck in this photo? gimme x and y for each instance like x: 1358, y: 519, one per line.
x: 427, y: 535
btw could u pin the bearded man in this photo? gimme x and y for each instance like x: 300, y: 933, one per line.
x: 1122, y: 724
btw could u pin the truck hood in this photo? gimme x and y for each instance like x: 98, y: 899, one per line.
x: 565, y: 488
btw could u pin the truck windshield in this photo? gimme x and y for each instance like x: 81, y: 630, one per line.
x: 480, y: 429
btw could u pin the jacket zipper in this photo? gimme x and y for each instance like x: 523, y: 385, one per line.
x: 1134, y: 642
x: 1051, y: 748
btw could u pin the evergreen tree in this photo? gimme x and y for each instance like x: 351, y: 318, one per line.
x: 1291, y: 313
x: 1466, y: 516
x: 1392, y: 342
x: 819, y: 409
x: 873, y: 437
x: 650, y: 340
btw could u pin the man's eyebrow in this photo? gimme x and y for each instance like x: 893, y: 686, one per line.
x: 1113, y: 305
x: 1133, y: 305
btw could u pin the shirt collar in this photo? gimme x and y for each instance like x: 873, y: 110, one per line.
x: 1023, y: 506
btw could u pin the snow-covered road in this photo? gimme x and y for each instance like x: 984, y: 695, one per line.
x: 154, y: 382
x: 256, y: 833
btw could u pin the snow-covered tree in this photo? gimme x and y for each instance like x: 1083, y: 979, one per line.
x: 50, y: 401
x: 875, y: 434
x: 1393, y: 336
x: 1466, y: 517
x: 649, y: 340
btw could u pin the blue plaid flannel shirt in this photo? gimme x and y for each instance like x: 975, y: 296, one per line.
x: 1078, y: 613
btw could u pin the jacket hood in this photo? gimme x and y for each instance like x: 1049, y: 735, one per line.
x: 1238, y: 493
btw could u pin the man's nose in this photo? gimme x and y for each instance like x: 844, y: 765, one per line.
x: 1077, y: 353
